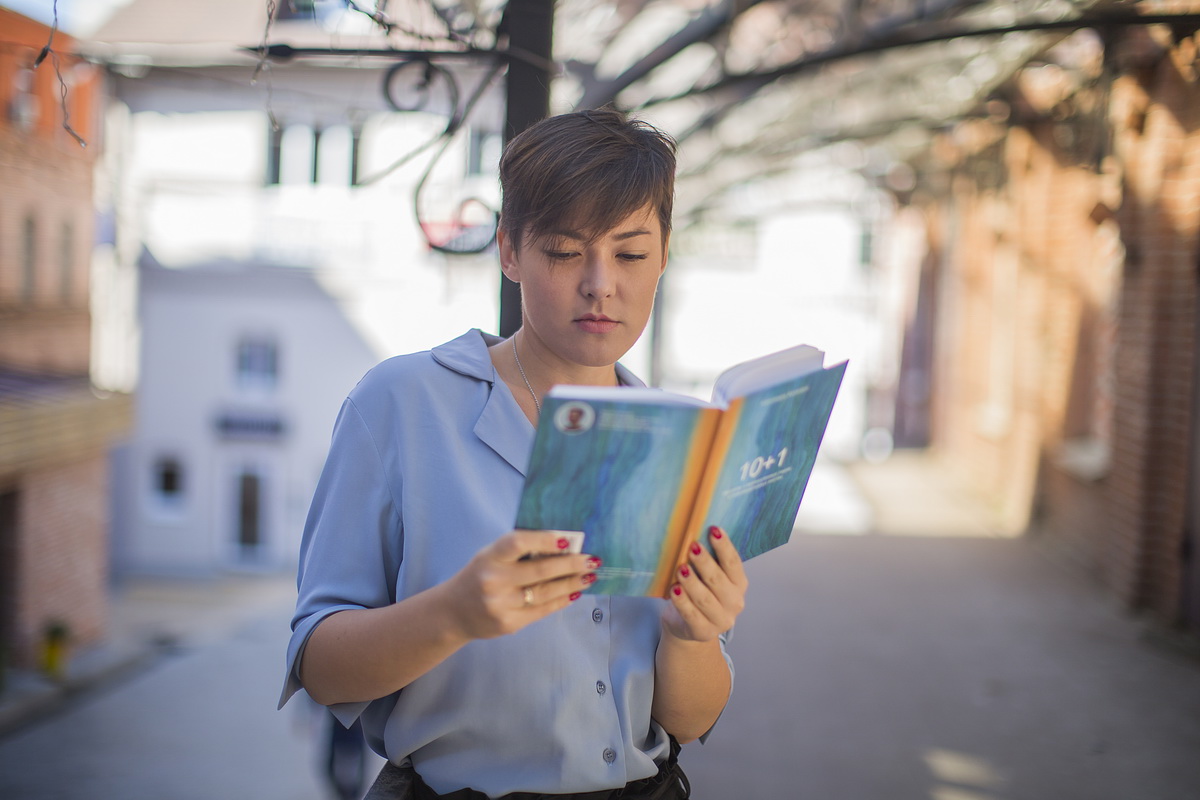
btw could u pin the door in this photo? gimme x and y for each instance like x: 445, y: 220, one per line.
x: 249, y: 508
x: 1191, y: 542
x: 249, y: 515
x: 9, y: 502
x: 249, y: 511
x: 246, y: 511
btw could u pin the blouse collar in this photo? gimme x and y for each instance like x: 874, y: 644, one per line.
x: 502, y: 425
x: 468, y: 355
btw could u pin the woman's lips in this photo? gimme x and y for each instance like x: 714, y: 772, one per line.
x: 596, y: 324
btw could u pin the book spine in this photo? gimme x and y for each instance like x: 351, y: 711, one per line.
x: 713, y: 463
x: 676, y: 537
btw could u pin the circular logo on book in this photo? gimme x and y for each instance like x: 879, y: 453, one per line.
x: 574, y: 417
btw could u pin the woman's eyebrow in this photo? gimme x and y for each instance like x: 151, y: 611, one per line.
x: 579, y: 237
x: 631, y: 234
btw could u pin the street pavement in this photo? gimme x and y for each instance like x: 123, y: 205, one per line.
x: 897, y: 649
x: 906, y: 651
x: 192, y: 715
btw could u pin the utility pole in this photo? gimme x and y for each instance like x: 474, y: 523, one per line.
x: 529, y: 26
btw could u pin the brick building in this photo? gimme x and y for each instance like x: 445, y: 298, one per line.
x: 1058, y: 306
x: 55, y: 429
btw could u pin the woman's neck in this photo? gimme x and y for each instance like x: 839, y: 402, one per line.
x: 543, y: 369
x: 530, y: 374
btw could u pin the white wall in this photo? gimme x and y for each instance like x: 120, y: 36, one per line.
x: 191, y: 188
x: 192, y: 322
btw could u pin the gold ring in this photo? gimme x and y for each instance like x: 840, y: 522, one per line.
x: 528, y: 595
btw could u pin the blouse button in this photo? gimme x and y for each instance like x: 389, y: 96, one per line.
x: 597, y: 615
x: 610, y: 755
x: 600, y: 687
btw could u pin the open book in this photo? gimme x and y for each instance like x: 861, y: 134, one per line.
x: 643, y: 473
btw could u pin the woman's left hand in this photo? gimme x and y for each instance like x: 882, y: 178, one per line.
x: 708, y: 593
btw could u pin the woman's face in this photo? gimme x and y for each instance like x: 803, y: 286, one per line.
x: 586, y: 303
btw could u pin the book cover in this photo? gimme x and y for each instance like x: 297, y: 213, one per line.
x: 644, y: 473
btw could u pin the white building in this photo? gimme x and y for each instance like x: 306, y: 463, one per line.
x: 243, y: 363
x: 243, y: 369
x: 266, y: 239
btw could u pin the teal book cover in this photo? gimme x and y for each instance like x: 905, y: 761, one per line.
x: 763, y: 458
x: 617, y: 471
x: 642, y: 476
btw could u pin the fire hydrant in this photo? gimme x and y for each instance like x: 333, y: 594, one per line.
x: 55, y: 641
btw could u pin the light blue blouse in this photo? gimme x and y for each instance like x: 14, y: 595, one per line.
x: 425, y: 469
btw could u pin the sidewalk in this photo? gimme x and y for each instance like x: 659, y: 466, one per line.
x: 910, y: 494
x: 149, y: 618
x: 898, y: 648
x: 192, y: 717
x: 901, y: 647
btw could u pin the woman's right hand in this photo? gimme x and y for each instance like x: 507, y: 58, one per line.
x: 361, y: 654
x: 501, y: 589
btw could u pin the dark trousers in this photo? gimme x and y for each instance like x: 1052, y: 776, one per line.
x: 403, y: 783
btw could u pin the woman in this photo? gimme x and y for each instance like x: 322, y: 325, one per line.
x: 482, y: 671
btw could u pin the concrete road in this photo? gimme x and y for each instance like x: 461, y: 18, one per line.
x: 195, y: 723
x: 896, y: 649
x: 914, y: 655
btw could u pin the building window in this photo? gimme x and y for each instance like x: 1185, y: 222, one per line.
x: 297, y: 155
x: 168, y: 482
x: 300, y: 154
x: 483, y: 152
x: 274, y: 154
x: 335, y: 157
x: 67, y: 263
x: 23, y: 109
x: 29, y: 260
x: 257, y: 363
x: 313, y: 10
x: 866, y: 244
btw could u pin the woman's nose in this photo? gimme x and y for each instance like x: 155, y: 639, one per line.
x: 599, y: 279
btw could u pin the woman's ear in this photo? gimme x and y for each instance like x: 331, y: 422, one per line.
x: 509, y: 263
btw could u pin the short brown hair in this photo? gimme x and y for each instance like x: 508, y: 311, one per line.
x: 585, y: 171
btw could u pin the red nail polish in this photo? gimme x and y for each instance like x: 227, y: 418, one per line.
x: 684, y: 571
x: 593, y: 562
x: 678, y: 590
x: 589, y: 579
x: 575, y: 596
x: 695, y: 549
x: 563, y: 544
x: 715, y: 532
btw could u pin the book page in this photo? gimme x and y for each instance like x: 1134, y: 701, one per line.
x: 759, y: 373
x: 625, y: 394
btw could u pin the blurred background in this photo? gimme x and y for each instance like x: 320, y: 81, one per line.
x: 215, y: 217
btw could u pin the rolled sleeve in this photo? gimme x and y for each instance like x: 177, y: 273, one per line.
x: 724, y: 641
x: 352, y: 545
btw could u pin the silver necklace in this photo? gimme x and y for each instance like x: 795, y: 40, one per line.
x: 532, y: 393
